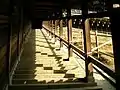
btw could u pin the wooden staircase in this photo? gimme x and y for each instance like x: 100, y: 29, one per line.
x: 39, y: 69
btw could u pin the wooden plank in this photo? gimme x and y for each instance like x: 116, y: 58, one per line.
x: 52, y: 27
x: 96, y: 42
x: 69, y: 32
x: 99, y: 64
x: 55, y: 29
x: 61, y: 33
x: 115, y: 18
x: 87, y: 45
x: 87, y: 42
x: 92, y: 59
x: 91, y: 15
x: 8, y: 53
x: 50, y: 86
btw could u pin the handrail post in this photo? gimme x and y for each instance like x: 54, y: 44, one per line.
x: 87, y: 43
x: 55, y: 29
x: 89, y: 72
x: 61, y: 32
x: 49, y: 27
x: 69, y: 32
x: 52, y: 28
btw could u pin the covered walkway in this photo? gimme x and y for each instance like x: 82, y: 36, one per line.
x: 47, y: 44
x: 43, y: 62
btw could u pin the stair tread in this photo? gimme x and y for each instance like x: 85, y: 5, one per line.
x: 80, y: 88
x: 59, y: 80
x: 24, y: 77
x: 52, y: 85
x: 32, y: 76
x: 73, y: 83
x: 60, y: 71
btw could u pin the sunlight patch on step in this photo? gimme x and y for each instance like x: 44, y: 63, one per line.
x: 49, y: 77
x: 41, y: 71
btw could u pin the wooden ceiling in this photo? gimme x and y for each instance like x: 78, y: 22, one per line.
x: 46, y: 8
x: 39, y: 9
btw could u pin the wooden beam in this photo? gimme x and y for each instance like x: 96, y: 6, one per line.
x: 87, y: 49
x: 61, y: 32
x: 49, y: 27
x: 21, y: 29
x: 8, y: 53
x: 82, y: 54
x: 69, y: 32
x: 115, y: 26
x: 55, y: 29
x: 52, y: 27
x: 96, y: 42
x: 87, y: 42
x: 46, y: 3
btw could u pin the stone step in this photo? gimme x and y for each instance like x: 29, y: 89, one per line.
x: 60, y: 71
x: 37, y: 75
x: 25, y: 71
x: 45, y: 72
x: 80, y: 85
x: 32, y: 65
x: 46, y: 80
x: 24, y: 76
x: 69, y: 76
x: 29, y: 81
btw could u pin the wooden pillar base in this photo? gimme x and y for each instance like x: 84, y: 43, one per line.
x: 70, y: 52
x: 89, y: 77
x: 61, y: 44
x: 69, y: 32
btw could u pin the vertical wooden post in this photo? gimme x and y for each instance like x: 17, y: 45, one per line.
x: 8, y: 53
x: 115, y: 26
x: 49, y: 27
x: 52, y: 27
x: 82, y: 39
x: 61, y: 32
x: 21, y: 28
x: 87, y: 43
x: 9, y: 38
x: 96, y: 41
x: 48, y: 24
x: 19, y: 33
x: 89, y: 66
x: 55, y: 28
x: 18, y: 41
x: 69, y: 32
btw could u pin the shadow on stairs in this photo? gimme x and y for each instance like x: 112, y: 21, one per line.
x: 40, y: 68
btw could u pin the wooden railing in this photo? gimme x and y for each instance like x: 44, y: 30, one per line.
x: 96, y: 62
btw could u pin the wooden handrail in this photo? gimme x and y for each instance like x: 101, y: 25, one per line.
x: 99, y: 64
